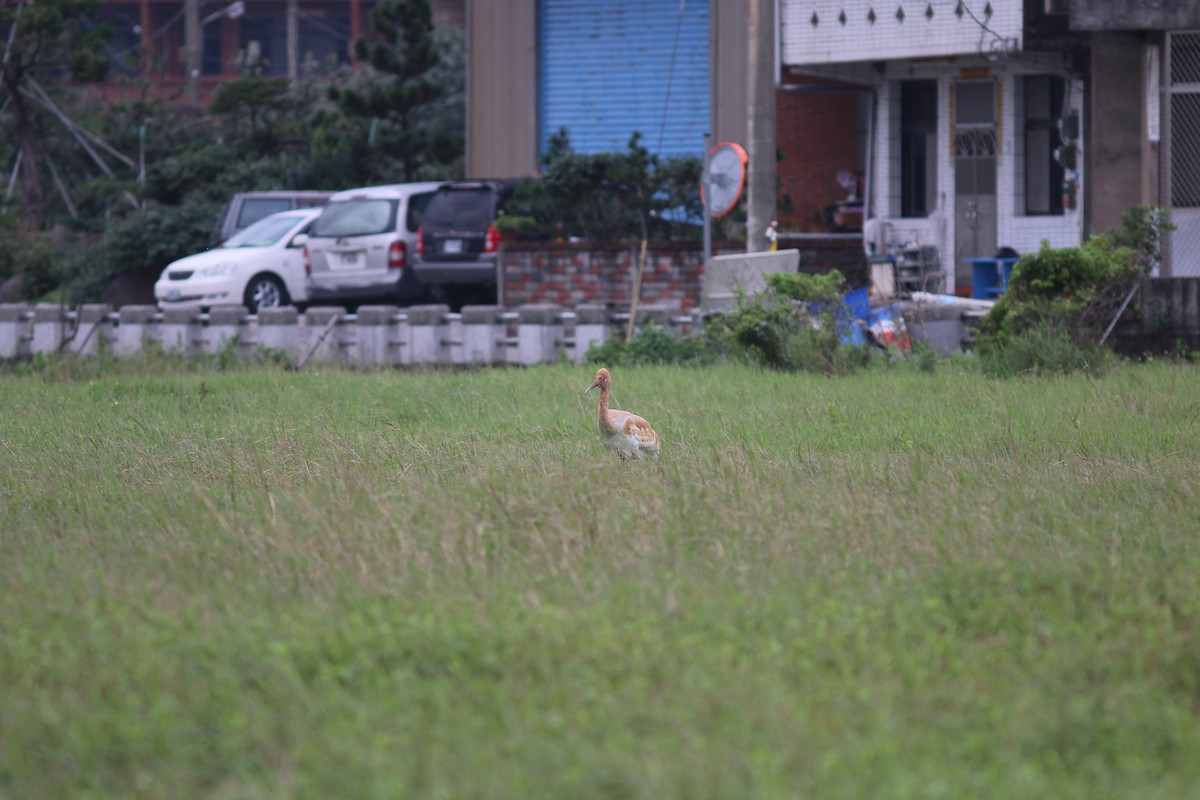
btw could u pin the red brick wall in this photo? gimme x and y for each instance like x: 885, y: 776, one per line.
x: 573, y: 274
x: 815, y: 137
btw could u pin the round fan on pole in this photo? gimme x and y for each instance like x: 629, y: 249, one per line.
x: 724, y: 178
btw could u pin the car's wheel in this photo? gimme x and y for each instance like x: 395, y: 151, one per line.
x: 264, y: 291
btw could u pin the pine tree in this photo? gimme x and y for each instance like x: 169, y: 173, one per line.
x: 401, y: 93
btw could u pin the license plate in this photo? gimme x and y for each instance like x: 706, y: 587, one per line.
x: 172, y: 294
x: 345, y: 261
x: 452, y: 246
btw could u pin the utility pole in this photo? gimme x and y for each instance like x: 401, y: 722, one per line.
x: 760, y: 114
x: 192, y: 48
x: 293, y: 40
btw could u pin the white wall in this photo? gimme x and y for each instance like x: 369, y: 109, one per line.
x: 941, y: 33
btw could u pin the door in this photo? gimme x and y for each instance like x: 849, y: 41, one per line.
x: 1182, y: 154
x: 974, y: 175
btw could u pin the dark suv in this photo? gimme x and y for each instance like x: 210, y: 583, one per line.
x: 458, y: 240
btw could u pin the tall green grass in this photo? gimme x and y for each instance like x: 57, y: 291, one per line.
x: 267, y: 584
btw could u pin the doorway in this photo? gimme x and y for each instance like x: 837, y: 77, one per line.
x: 974, y: 175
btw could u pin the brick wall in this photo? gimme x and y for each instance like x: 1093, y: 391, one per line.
x: 815, y: 133
x: 584, y: 273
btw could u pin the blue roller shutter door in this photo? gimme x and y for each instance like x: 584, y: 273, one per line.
x: 608, y: 69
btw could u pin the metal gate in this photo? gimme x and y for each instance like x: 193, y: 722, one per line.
x: 1181, y: 154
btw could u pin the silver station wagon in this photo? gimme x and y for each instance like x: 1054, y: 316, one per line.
x: 360, y: 249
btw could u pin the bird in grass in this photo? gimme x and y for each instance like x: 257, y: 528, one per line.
x: 628, y: 434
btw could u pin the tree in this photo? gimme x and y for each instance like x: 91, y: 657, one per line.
x: 45, y: 40
x: 403, y: 92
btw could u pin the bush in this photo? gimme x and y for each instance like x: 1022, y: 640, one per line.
x: 1045, y: 348
x: 795, y: 325
x: 652, y: 345
x: 608, y: 196
x: 1060, y: 300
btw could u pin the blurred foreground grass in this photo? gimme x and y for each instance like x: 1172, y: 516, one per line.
x: 323, y: 584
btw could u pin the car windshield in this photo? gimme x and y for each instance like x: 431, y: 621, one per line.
x: 263, y: 233
x: 469, y: 209
x: 255, y: 208
x: 358, y: 217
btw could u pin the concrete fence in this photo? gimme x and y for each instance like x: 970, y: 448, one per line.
x: 374, y: 336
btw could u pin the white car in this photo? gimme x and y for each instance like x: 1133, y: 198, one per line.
x: 260, y: 267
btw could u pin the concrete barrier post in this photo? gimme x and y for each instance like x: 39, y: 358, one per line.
x: 376, y: 336
x: 539, y: 333
x: 425, y: 342
x: 49, y: 328
x: 591, y: 328
x: 324, y: 334
x: 279, y: 331
x: 95, y: 331
x: 179, y: 330
x: 657, y: 315
x: 481, y: 334
x: 227, y: 329
x: 452, y: 339
x: 134, y: 328
x: 15, y: 320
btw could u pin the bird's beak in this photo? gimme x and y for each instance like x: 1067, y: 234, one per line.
x: 593, y: 386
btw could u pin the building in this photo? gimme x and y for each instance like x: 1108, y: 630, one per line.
x: 976, y: 119
x: 1144, y: 82
x: 284, y: 38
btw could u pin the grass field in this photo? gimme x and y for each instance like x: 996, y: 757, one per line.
x: 270, y: 584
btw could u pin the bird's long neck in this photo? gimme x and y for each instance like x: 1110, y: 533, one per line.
x: 603, y: 409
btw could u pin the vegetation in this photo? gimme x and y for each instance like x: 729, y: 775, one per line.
x: 401, y: 96
x: 259, y: 583
x: 651, y: 345
x: 1059, y: 301
x: 43, y: 41
x: 798, y: 323
x: 608, y: 196
x: 259, y: 133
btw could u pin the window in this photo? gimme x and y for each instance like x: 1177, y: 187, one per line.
x: 918, y: 148
x: 1044, y: 96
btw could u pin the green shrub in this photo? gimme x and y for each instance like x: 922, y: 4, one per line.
x: 793, y: 326
x: 1060, y: 300
x: 652, y: 345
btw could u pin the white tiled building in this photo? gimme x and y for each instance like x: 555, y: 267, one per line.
x: 970, y: 131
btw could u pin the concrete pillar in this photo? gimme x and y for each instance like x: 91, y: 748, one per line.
x: 324, y: 343
x: 134, y: 327
x: 377, y: 345
x: 591, y: 327
x: 279, y: 331
x: 481, y: 334
x: 226, y: 329
x: 95, y: 331
x: 539, y: 333
x: 49, y: 328
x: 425, y: 334
x: 179, y: 330
x: 14, y: 329
x: 760, y: 122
